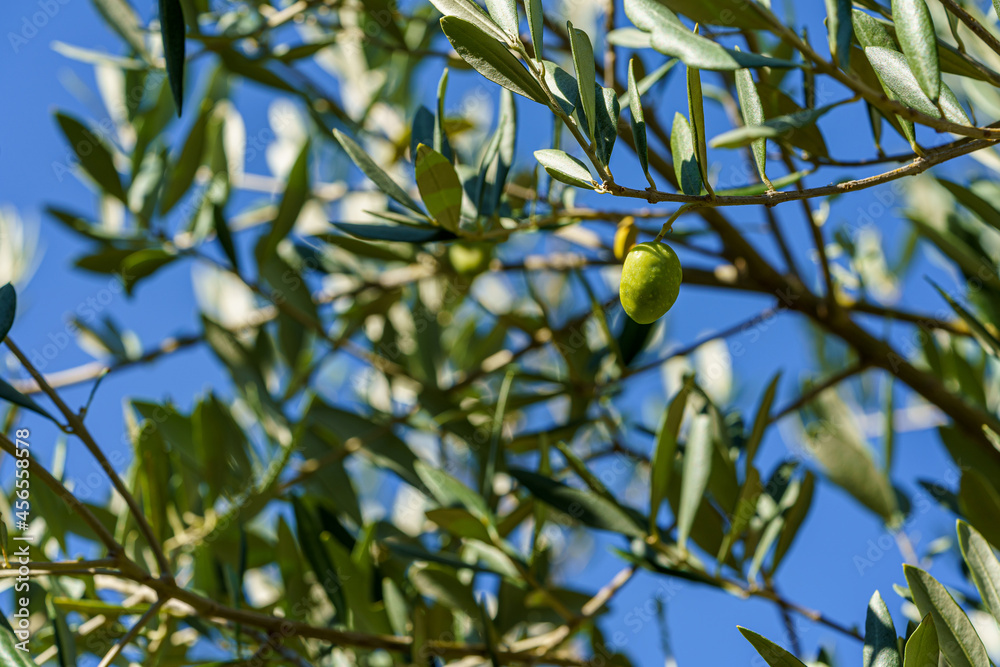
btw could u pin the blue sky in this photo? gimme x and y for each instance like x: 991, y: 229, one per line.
x: 821, y: 572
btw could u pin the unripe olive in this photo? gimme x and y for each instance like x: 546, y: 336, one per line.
x: 470, y: 258
x: 651, y: 279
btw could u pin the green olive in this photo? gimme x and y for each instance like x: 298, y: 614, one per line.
x: 651, y: 279
x: 469, y: 259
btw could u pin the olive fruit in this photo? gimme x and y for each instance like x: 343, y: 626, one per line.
x: 470, y: 258
x: 651, y: 279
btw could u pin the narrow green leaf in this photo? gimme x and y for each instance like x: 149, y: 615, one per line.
x: 983, y: 566
x: 490, y: 57
x: 8, y: 308
x: 94, y: 156
x: 685, y: 160
x: 753, y: 116
x: 989, y: 342
x: 504, y: 12
x: 297, y: 192
x: 8, y: 393
x: 183, y: 172
x: 840, y: 447
x: 922, y: 646
x: 697, y: 468
x: 761, y: 421
x: 979, y: 501
x: 606, y: 129
x: 915, y: 32
x: 399, y: 233
x: 892, y: 69
x: 124, y: 20
x: 983, y: 209
x: 665, y: 450
x: 773, y: 655
x: 775, y: 128
x: 441, y: 144
x: 744, y: 511
x: 536, y: 25
x: 648, y: 15
x: 586, y: 76
x: 881, y: 648
x: 374, y: 172
x: 172, y: 32
x: 794, y: 518
x: 871, y: 32
x: 638, y: 121
x: 696, y: 111
x: 225, y: 237
x: 956, y: 636
x: 838, y: 23
x: 10, y: 655
x: 565, y: 168
x: 698, y: 52
x: 470, y: 11
x: 439, y: 187
x: 584, y: 506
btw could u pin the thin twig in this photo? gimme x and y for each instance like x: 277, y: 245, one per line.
x: 132, y: 633
x: 80, y: 430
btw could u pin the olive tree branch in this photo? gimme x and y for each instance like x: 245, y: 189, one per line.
x: 959, y: 12
x: 78, y: 428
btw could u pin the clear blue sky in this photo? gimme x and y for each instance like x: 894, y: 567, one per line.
x: 821, y: 571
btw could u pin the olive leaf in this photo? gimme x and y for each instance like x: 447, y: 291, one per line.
x: 583, y: 61
x: 686, y: 167
x: 700, y: 53
x: 775, y: 128
x: 439, y: 186
x: 983, y: 566
x: 696, y: 111
x: 697, y: 468
x: 565, y: 168
x: 504, y: 12
x: 638, y: 122
x: 665, y: 449
x: 490, y: 57
x: 94, y: 156
x: 773, y: 655
x: 881, y: 649
x: 838, y: 23
x: 8, y: 308
x: 922, y: 646
x: 172, y: 33
x: 374, y: 172
x: 915, y: 31
x: 606, y: 127
x: 536, y: 25
x: 957, y: 638
x: 894, y: 71
x: 470, y: 11
x: 753, y: 115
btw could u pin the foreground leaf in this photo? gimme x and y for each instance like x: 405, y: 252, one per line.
x: 565, y: 168
x: 956, y: 636
x: 439, y: 187
x: 773, y: 655
x: 915, y: 32
x: 172, y: 33
x: 881, y: 649
x: 584, y: 506
x: 983, y: 566
x: 922, y: 646
x: 491, y: 58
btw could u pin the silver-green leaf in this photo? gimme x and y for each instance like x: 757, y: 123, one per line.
x: 915, y: 32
